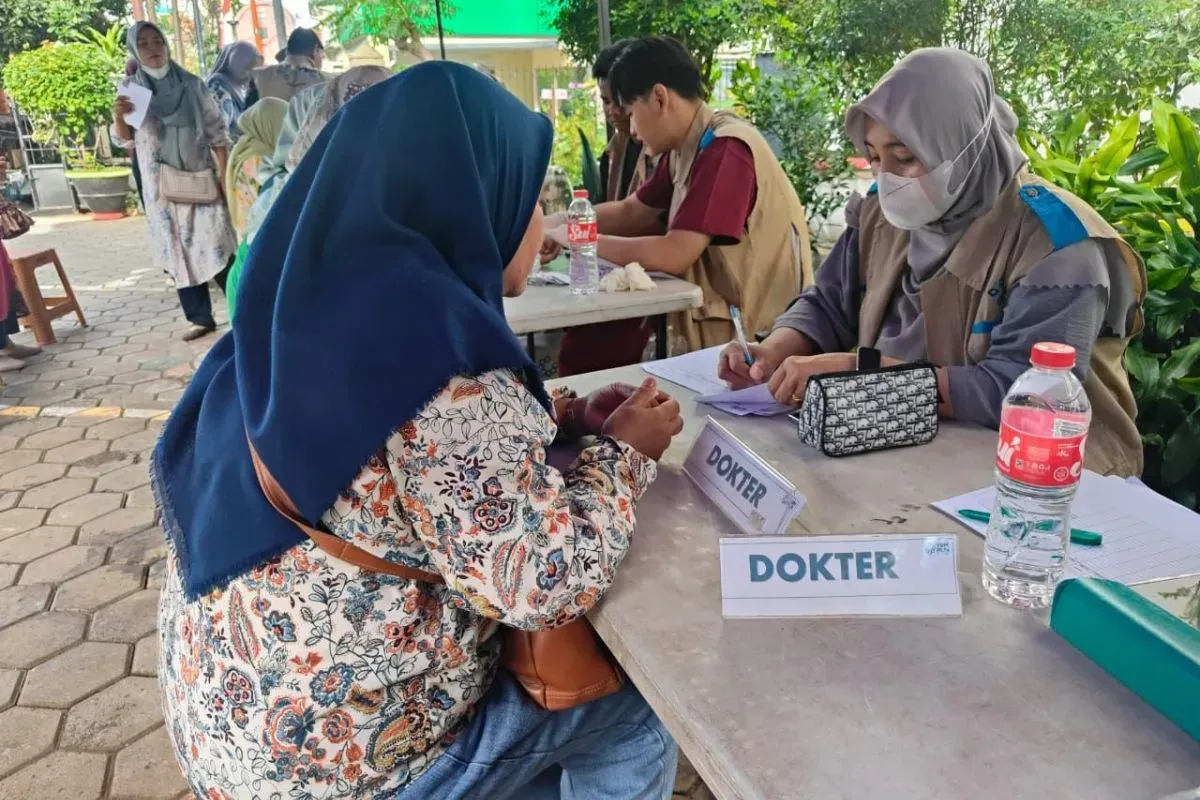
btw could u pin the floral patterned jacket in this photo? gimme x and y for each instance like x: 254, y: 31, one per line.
x: 311, y: 679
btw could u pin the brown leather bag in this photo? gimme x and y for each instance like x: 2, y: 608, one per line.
x: 559, y: 668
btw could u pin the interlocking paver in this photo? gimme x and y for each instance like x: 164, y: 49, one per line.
x: 63, y: 565
x: 141, y: 548
x: 114, y: 716
x: 74, y: 674
x: 61, y: 775
x: 126, y: 620
x: 8, y: 499
x: 19, y: 520
x: 97, y: 588
x: 8, y: 574
x: 75, y: 452
x: 8, y: 686
x: 25, y: 734
x: 27, y: 642
x: 142, y: 497
x: 54, y: 493
x: 33, y: 544
x: 100, y: 464
x: 32, y: 475
x: 145, y: 655
x: 141, y: 442
x: 51, y: 438
x: 124, y: 479
x: 116, y: 428
x: 84, y: 509
x: 19, y: 602
x: 147, y: 768
x: 116, y: 525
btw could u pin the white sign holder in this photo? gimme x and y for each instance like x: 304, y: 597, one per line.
x: 879, y: 575
x: 752, y: 493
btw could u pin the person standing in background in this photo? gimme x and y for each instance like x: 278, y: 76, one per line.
x: 183, y: 133
x: 624, y: 167
x: 131, y: 68
x: 12, y: 355
x: 300, y: 69
x: 229, y: 82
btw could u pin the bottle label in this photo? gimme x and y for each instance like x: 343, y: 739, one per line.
x: 581, y: 233
x: 1029, y: 451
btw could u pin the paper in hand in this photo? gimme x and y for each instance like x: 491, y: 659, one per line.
x: 140, y: 97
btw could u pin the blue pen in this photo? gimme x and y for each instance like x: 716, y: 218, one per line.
x: 736, y: 316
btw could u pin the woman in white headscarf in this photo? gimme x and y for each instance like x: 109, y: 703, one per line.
x: 229, y: 82
x: 962, y: 258
x: 182, y: 147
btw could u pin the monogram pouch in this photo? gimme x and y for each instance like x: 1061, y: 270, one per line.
x: 871, y: 408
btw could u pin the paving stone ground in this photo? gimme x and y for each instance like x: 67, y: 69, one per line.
x: 80, y: 549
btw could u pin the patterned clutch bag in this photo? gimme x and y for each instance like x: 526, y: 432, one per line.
x: 846, y: 413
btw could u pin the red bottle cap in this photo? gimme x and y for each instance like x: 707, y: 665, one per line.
x: 580, y: 193
x: 1052, y: 355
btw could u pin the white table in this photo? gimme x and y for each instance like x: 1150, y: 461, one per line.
x: 549, y: 308
x: 990, y: 705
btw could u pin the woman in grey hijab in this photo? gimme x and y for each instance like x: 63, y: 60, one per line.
x: 184, y: 130
x: 960, y: 257
x: 230, y: 80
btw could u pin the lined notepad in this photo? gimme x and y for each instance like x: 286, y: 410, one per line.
x: 1146, y: 536
x: 696, y: 371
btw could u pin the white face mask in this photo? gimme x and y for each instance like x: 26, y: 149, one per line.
x: 158, y: 73
x: 912, y: 203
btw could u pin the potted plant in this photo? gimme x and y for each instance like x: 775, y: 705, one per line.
x: 67, y: 90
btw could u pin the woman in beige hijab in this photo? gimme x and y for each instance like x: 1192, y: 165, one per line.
x: 962, y: 258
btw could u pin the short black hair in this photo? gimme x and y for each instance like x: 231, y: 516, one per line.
x: 303, y: 42
x: 608, y: 55
x: 651, y: 60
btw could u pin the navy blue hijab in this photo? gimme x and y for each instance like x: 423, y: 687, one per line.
x: 374, y: 280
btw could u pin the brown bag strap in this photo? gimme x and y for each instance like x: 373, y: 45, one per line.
x: 334, y: 546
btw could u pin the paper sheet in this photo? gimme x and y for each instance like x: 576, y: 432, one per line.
x: 696, y: 371
x: 140, y: 97
x: 755, y: 401
x: 1146, y: 536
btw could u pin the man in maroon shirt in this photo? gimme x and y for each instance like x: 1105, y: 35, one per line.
x: 706, y: 181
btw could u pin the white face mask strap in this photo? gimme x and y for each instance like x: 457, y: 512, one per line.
x: 986, y: 128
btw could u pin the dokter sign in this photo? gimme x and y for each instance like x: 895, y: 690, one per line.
x: 750, y: 492
x: 881, y: 575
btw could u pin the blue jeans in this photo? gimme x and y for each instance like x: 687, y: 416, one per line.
x: 614, y: 748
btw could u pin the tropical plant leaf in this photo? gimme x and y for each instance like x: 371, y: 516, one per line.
x: 1181, y: 455
x: 1177, y: 134
x: 1164, y: 280
x: 1179, y: 364
x: 1144, y: 159
x: 1117, y: 147
x: 1189, y: 385
x: 1142, y: 366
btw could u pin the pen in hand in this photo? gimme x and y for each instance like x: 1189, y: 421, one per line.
x: 736, y: 316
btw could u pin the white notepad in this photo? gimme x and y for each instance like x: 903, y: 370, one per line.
x: 696, y: 371
x: 1146, y: 536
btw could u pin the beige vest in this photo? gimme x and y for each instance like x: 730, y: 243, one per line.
x: 765, y: 270
x: 963, y: 300
x: 285, y: 80
x: 616, y: 165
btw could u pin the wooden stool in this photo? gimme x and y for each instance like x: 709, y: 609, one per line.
x: 44, y: 309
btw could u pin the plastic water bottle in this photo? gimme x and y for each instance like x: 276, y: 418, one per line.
x: 581, y: 238
x: 1039, y: 461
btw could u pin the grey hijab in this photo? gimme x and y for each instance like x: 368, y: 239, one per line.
x: 941, y: 103
x: 233, y: 70
x: 176, y: 104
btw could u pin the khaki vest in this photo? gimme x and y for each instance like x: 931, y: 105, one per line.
x: 761, y: 273
x: 616, y: 165
x: 285, y: 80
x: 963, y: 300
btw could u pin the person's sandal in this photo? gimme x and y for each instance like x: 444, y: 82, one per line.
x: 198, y: 331
x: 19, y: 351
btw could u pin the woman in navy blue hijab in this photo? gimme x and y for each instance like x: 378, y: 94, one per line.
x: 413, y: 428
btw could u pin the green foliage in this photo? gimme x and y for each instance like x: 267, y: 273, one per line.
x: 1145, y: 180
x: 25, y: 24
x: 1105, y: 57
x: 793, y: 109
x: 66, y: 89
x: 111, y: 42
x: 575, y: 120
x: 590, y: 170
x: 702, y: 25
x: 398, y: 22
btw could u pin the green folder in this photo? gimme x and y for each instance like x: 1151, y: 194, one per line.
x: 1151, y: 651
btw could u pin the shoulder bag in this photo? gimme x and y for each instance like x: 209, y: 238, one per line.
x: 13, y: 221
x: 559, y: 668
x: 183, y: 186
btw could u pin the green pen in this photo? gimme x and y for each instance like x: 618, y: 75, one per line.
x: 1078, y: 535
